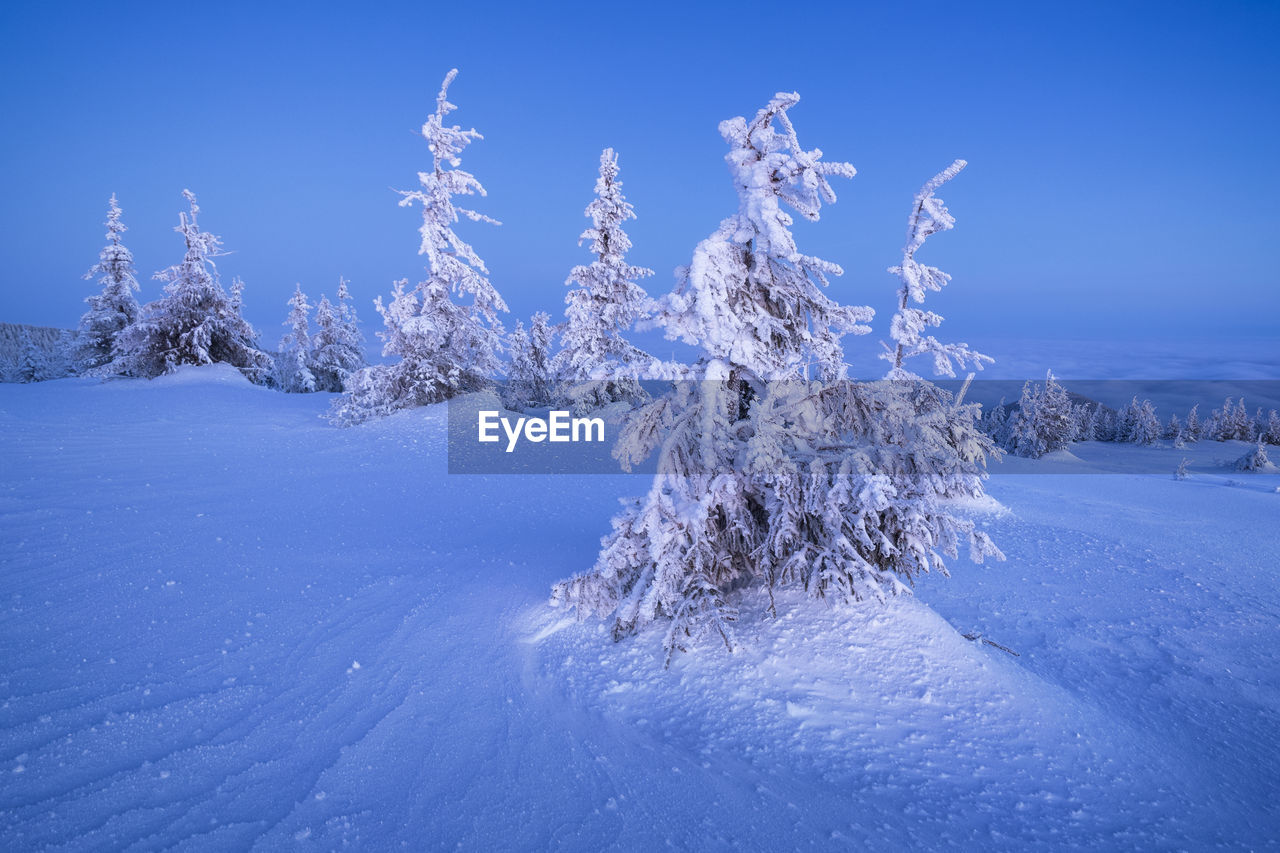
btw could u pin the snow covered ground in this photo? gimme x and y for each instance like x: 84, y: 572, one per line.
x: 227, y: 625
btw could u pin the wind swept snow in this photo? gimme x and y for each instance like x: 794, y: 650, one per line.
x: 229, y: 625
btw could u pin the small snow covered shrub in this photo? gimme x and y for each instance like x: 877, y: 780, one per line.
x: 766, y: 477
x: 1181, y: 473
x: 1255, y: 460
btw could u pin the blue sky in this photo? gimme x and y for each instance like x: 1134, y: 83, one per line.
x: 1122, y: 155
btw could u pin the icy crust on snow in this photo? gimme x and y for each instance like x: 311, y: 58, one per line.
x: 225, y: 624
x: 878, y: 725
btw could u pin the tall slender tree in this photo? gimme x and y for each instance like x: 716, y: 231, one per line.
x: 928, y: 216
x: 1102, y: 427
x: 114, y: 307
x: 596, y: 364
x: 444, y: 348
x: 293, y: 356
x: 1192, y: 432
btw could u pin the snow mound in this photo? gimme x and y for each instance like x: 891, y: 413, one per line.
x: 1256, y: 460
x: 868, y: 703
x: 195, y: 374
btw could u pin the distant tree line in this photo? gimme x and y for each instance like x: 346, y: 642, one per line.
x: 1046, y: 419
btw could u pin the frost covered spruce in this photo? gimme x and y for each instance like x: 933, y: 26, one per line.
x: 1231, y: 423
x: 1255, y: 460
x: 444, y: 349
x: 1044, y: 421
x: 195, y: 322
x: 766, y: 479
x: 529, y: 383
x: 114, y: 307
x: 928, y: 216
x: 33, y: 362
x: 337, y: 348
x: 293, y: 356
x: 596, y: 364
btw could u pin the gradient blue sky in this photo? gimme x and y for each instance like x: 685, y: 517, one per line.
x: 1122, y: 178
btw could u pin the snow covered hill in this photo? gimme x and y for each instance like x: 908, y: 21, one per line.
x: 229, y: 625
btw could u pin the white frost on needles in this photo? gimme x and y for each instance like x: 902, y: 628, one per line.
x: 928, y: 216
x: 766, y: 479
x: 597, y: 365
x: 195, y: 322
x: 750, y: 297
x: 444, y: 349
x: 114, y: 307
x: 449, y: 258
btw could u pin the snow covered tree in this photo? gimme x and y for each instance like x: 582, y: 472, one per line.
x: 1148, y: 429
x: 1044, y: 420
x: 1138, y: 423
x: 1173, y: 429
x: 961, y: 439
x: 1242, y: 423
x: 1146, y: 425
x: 541, y: 341
x: 1230, y: 423
x: 1103, y: 425
x: 1255, y: 460
x: 194, y: 322
x: 1192, y: 430
x: 33, y: 365
x: 528, y: 382
x: 766, y: 479
x: 114, y: 307
x: 1082, y: 422
x: 444, y: 349
x: 1022, y: 438
x: 994, y: 423
x: 293, y: 356
x: 1212, y: 428
x: 1182, y: 472
x: 1271, y: 434
x: 596, y: 364
x: 337, y: 348
x: 1127, y: 419
x: 517, y: 389
x: 928, y: 216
